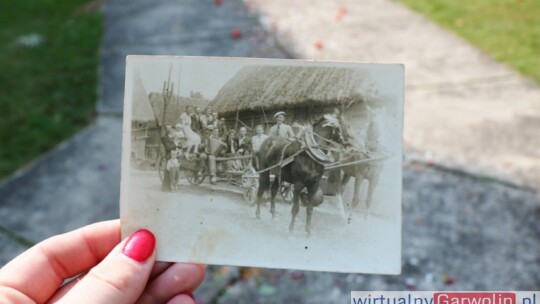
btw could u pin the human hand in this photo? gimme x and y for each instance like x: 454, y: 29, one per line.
x: 111, y: 271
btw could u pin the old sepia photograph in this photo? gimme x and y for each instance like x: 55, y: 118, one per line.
x: 266, y: 163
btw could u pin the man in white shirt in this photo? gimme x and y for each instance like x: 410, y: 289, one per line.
x: 281, y: 129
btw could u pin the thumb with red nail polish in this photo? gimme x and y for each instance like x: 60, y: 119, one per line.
x: 140, y: 245
x: 122, y: 276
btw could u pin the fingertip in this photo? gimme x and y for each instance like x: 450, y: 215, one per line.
x: 202, y: 266
x: 179, y: 278
x: 197, y: 271
x: 182, y: 299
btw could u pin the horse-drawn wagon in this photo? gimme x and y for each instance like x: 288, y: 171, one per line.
x: 236, y: 170
x: 326, y: 152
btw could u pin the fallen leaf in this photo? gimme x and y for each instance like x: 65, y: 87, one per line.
x: 236, y: 33
x: 338, y: 15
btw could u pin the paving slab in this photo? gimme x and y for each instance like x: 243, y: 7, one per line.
x: 462, y: 108
x: 75, y: 184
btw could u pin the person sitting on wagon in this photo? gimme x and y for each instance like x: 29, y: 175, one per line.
x: 232, y: 144
x: 215, y: 134
x: 207, y: 118
x: 232, y: 148
x: 185, y: 117
x: 215, y: 144
x: 178, y: 135
x: 190, y: 139
x: 244, y: 145
x: 207, y: 123
x: 196, y: 121
x: 220, y: 125
x: 333, y: 117
x: 244, y: 142
x: 280, y: 128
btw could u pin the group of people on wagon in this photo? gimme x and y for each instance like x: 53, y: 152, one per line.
x: 194, y: 128
x: 242, y: 144
x: 196, y: 131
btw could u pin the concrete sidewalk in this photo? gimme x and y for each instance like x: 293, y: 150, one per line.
x: 460, y: 232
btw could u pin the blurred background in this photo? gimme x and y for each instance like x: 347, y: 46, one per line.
x: 471, y: 134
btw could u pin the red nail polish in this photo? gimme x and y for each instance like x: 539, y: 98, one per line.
x: 140, y: 245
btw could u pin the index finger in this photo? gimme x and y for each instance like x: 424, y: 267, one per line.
x: 41, y: 270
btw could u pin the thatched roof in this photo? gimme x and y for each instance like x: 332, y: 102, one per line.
x: 141, y: 108
x: 284, y: 86
x: 175, y: 108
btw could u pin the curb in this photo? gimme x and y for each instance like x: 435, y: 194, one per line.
x: 21, y: 173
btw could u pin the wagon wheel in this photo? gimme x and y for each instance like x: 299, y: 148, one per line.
x: 250, y: 184
x: 287, y: 192
x: 162, y: 166
x: 195, y: 177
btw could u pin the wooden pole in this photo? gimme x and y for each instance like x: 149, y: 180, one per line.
x: 178, y: 92
x: 265, y: 120
x: 237, y: 117
x: 166, y: 94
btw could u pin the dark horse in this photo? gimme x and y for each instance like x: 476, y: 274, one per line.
x: 304, y: 171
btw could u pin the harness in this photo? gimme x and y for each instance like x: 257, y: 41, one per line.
x: 309, y: 145
x: 283, y: 162
x: 316, y: 153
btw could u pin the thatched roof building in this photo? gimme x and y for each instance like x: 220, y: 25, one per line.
x: 282, y: 87
x: 141, y: 108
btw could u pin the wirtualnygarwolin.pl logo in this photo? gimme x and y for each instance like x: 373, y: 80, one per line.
x: 443, y: 297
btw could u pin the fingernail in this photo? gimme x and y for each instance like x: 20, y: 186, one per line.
x: 140, y: 245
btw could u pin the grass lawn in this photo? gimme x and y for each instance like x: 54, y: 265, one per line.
x: 48, y: 79
x: 508, y: 30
